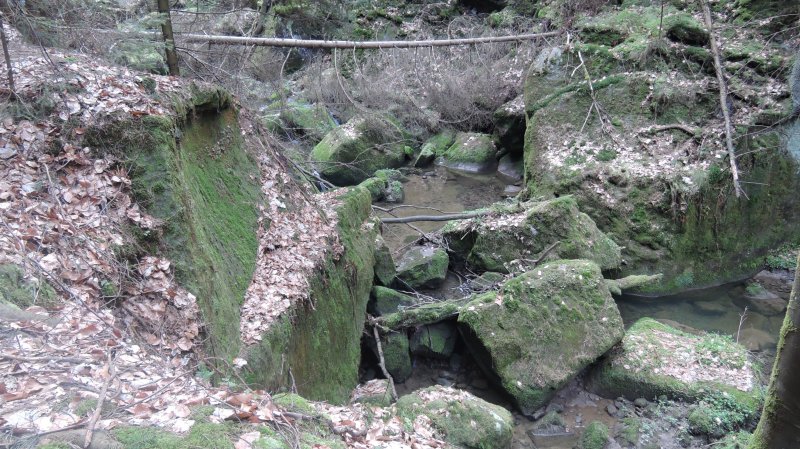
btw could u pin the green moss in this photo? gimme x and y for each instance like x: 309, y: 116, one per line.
x: 312, y: 120
x: 293, y: 403
x: 465, y: 420
x: 631, y: 427
x: 201, y: 435
x: 193, y: 174
x: 595, y: 436
x: 321, y: 340
x: 23, y: 293
x: 385, y: 269
x: 423, y: 314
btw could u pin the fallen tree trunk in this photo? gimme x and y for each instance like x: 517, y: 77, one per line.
x: 284, y: 42
x: 449, y: 217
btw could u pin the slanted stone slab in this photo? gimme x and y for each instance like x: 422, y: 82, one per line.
x: 463, y: 419
x: 655, y: 359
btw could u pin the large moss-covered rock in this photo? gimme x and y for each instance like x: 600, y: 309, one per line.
x: 312, y: 120
x: 491, y: 243
x: 423, y: 266
x: 665, y: 197
x: 352, y: 152
x: 320, y: 340
x: 655, y: 359
x: 463, y: 419
x: 205, y: 190
x: 386, y: 301
x: 595, y: 436
x: 542, y: 328
x: 471, y: 152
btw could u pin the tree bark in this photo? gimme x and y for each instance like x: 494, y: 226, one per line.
x: 281, y: 42
x: 169, y: 39
x: 7, y: 56
x: 779, y: 427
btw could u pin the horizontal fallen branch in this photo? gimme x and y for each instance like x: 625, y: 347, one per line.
x: 690, y: 130
x: 450, y: 217
x: 310, y: 43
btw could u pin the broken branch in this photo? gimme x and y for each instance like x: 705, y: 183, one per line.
x: 382, y: 363
x: 723, y: 99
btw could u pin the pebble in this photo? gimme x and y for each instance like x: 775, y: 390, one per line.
x: 612, y: 409
x: 7, y: 153
x: 640, y: 402
x: 553, y: 407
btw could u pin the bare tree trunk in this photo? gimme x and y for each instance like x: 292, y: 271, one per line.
x: 723, y: 98
x: 169, y: 39
x: 779, y: 427
x: 4, y: 41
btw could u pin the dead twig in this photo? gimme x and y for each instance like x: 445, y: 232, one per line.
x: 382, y: 363
x: 688, y: 129
x: 100, y: 399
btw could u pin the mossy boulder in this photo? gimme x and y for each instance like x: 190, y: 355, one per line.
x: 434, y: 340
x: 434, y: 147
x: 687, y: 30
x: 541, y: 329
x: 352, y: 152
x: 595, y: 436
x: 471, y: 152
x: 463, y: 419
x: 385, y: 269
x: 491, y: 243
x: 655, y: 359
x: 396, y: 355
x: 386, y: 301
x: 312, y: 120
x: 422, y: 266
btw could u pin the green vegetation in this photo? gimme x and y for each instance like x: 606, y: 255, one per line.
x: 595, y: 436
x: 21, y: 292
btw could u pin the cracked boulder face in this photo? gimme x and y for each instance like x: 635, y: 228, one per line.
x: 540, y: 329
x: 641, y: 147
x: 509, y: 238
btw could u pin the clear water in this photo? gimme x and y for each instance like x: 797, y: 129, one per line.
x: 717, y: 309
x: 443, y: 189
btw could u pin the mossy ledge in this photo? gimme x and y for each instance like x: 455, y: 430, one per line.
x: 191, y: 171
x: 321, y: 344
